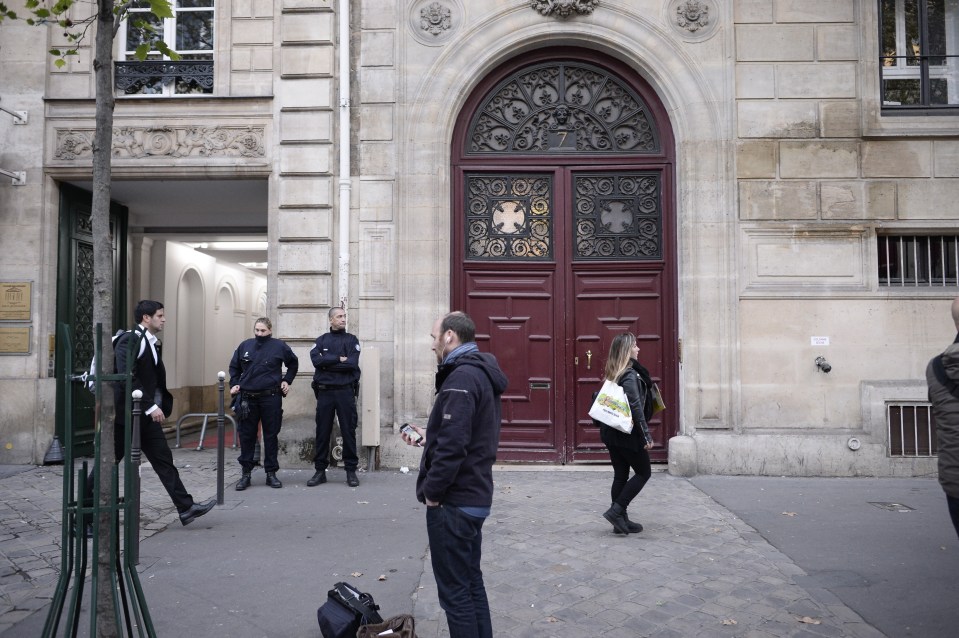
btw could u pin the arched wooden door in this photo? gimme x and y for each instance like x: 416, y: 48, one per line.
x: 564, y: 236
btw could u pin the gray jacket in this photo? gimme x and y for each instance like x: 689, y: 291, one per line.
x: 945, y: 408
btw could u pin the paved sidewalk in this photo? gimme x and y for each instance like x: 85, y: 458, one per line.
x: 259, y: 565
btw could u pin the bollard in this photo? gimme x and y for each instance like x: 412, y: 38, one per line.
x: 220, y: 424
x: 132, y: 530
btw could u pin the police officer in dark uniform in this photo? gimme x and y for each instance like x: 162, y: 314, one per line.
x: 258, y: 384
x: 336, y: 357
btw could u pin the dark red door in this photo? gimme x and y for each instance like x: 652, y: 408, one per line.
x: 560, y: 244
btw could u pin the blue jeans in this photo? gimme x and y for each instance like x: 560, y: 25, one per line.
x: 954, y: 511
x: 456, y: 540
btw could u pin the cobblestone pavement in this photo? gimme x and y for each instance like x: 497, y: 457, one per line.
x: 554, y: 569
x: 30, y: 532
x: 553, y: 566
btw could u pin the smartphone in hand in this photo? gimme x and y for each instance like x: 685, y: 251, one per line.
x: 415, y: 437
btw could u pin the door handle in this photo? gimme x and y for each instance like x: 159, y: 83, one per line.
x: 589, y: 359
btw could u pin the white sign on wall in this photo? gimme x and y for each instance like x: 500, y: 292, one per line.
x: 819, y: 341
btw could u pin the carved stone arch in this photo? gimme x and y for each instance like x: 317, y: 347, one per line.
x: 564, y: 236
x: 227, y: 323
x: 189, y: 335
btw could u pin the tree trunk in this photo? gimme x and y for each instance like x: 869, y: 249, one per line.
x: 103, y: 301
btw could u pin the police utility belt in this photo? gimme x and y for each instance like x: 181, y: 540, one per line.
x: 261, y: 393
x: 319, y: 387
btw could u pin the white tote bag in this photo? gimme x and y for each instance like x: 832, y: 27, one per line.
x: 612, y: 408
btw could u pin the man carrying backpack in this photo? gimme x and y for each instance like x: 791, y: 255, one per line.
x: 942, y: 375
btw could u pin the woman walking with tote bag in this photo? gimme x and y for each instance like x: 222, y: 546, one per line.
x: 627, y: 450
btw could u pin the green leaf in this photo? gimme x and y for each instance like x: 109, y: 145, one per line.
x: 162, y: 47
x: 59, y: 63
x: 55, y: 52
x: 161, y: 8
x: 42, y: 13
x: 142, y: 51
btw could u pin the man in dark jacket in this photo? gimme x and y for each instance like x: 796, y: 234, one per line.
x: 456, y: 471
x: 942, y: 375
x: 256, y: 375
x: 336, y: 360
x: 140, y: 350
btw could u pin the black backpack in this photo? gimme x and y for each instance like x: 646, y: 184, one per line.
x: 345, y: 610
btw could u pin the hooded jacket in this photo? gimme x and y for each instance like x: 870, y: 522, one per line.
x: 945, y: 409
x: 462, y: 434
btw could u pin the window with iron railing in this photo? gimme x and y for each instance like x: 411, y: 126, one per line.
x: 919, y: 55
x: 918, y: 261
x: 912, y: 430
x: 189, y: 32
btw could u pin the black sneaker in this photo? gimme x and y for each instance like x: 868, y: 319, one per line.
x: 318, y: 478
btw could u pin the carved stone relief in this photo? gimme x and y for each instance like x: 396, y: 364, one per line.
x: 564, y: 8
x: 435, y: 18
x: 693, y: 19
x: 433, y: 22
x: 130, y: 142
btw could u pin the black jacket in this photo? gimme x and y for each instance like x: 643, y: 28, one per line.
x: 945, y: 408
x: 326, y: 353
x: 258, y: 366
x: 149, y: 376
x: 635, y: 387
x: 462, y: 434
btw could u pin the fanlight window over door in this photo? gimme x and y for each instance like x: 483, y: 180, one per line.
x: 562, y: 107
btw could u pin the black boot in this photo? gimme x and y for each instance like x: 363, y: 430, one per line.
x: 634, y: 528
x: 244, y: 482
x: 616, y: 516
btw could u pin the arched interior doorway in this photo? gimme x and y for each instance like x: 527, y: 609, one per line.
x: 564, y: 236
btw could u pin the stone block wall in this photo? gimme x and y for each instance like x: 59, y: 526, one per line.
x: 813, y: 194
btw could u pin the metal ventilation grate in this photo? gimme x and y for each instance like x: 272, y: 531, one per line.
x: 918, y: 260
x: 912, y: 430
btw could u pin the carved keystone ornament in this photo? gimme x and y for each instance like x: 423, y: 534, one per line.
x: 564, y: 8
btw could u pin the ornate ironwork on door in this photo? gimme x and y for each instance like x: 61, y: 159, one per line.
x: 509, y: 216
x: 617, y: 216
x: 562, y: 107
x: 82, y: 326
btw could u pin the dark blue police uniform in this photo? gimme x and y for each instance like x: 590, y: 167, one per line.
x: 257, y: 367
x: 335, y: 384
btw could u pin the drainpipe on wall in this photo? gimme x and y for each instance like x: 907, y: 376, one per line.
x: 343, y: 287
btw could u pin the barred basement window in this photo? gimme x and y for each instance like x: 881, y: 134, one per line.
x: 918, y: 260
x: 912, y: 430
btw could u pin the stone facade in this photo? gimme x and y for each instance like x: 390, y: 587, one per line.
x: 785, y: 172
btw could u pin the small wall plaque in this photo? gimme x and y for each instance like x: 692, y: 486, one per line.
x: 15, y: 340
x: 15, y: 300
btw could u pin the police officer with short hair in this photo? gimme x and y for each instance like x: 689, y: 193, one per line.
x: 336, y: 358
x: 259, y: 385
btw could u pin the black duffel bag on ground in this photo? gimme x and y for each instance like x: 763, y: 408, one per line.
x: 345, y: 609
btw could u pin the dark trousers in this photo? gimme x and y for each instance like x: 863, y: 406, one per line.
x: 342, y: 403
x: 154, y: 445
x: 954, y: 511
x: 456, y: 541
x: 625, y: 489
x: 268, y: 410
